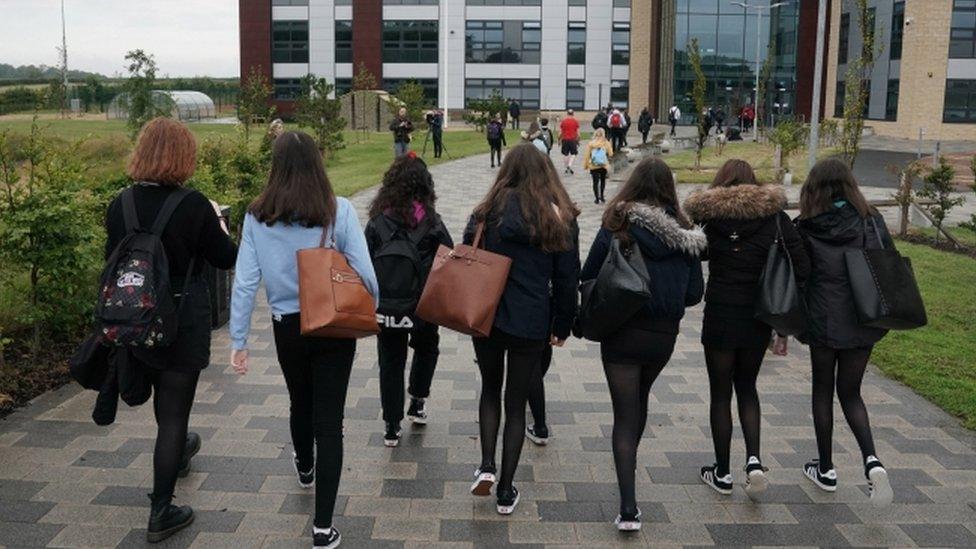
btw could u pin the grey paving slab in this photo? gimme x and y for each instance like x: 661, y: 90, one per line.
x: 65, y: 481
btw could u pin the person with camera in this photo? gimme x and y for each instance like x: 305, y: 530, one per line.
x: 435, y: 124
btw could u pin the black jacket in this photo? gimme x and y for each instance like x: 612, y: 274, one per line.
x: 599, y: 121
x: 114, y: 373
x: 740, y: 223
x: 645, y: 122
x: 514, y: 109
x: 526, y: 309
x: 401, y: 128
x: 671, y: 255
x: 832, y: 319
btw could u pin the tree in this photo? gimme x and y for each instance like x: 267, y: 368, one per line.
x: 938, y: 187
x: 764, y: 76
x: 481, y: 111
x: 857, y: 76
x: 789, y: 135
x: 363, y: 80
x: 254, y: 100
x: 698, y: 90
x: 57, y: 95
x: 905, y: 195
x: 410, y: 95
x: 314, y: 109
x: 140, y: 102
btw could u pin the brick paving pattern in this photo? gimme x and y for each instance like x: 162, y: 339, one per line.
x: 65, y: 482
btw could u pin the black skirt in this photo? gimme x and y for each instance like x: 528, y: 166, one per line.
x: 190, y: 351
x: 640, y: 343
x: 733, y: 327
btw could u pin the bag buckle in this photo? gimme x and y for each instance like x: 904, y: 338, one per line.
x: 337, y: 277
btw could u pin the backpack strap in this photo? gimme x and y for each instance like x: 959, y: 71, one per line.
x: 166, y: 212
x: 129, y: 211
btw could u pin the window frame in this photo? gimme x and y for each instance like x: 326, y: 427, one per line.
x: 411, y: 50
x: 285, y: 51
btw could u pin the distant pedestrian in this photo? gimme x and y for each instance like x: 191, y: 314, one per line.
x: 495, y: 132
x: 674, y: 114
x: 514, y: 112
x: 534, y: 136
x: 644, y: 123
x: 402, y: 128
x: 596, y: 160
x: 719, y: 120
x: 546, y: 134
x: 599, y: 121
x: 569, y: 136
x: 627, y: 121
x: 618, y: 127
x: 435, y: 121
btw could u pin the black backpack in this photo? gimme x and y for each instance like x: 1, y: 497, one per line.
x: 400, y: 271
x: 135, y: 307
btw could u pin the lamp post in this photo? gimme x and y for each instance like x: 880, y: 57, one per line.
x: 759, y: 9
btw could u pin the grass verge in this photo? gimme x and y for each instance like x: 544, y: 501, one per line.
x: 760, y: 156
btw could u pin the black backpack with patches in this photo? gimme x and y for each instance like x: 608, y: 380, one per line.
x: 135, y: 305
x: 400, y: 271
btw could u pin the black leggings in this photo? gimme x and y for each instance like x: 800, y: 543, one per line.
x: 496, y: 149
x: 317, y: 375
x: 599, y: 182
x: 847, y: 366
x: 738, y: 369
x: 537, y: 392
x: 524, y: 359
x: 392, y: 349
x: 172, y: 400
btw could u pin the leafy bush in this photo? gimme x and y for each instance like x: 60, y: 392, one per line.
x: 481, y: 111
x: 314, y: 109
x: 410, y: 95
x: 938, y: 187
x: 829, y: 132
x: 20, y: 99
x: 790, y: 136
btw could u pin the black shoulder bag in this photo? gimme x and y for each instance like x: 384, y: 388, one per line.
x: 619, y: 291
x: 780, y: 302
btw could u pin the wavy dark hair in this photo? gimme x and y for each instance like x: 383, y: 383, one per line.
x: 298, y: 191
x: 734, y: 172
x: 529, y: 175
x: 406, y: 181
x: 831, y: 180
x: 651, y: 183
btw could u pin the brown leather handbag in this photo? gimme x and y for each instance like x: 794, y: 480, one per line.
x: 332, y: 299
x: 464, y: 287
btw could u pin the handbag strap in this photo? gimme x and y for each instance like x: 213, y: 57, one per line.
x: 781, y: 240
x: 478, y: 235
x: 877, y: 233
x: 326, y: 236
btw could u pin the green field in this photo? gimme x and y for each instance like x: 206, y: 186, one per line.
x: 939, y: 360
x: 761, y: 156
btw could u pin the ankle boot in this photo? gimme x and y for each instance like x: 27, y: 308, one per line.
x: 166, y: 519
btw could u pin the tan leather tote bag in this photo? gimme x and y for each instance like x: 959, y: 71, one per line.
x: 464, y: 287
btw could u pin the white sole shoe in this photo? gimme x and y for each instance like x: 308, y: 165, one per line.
x: 391, y: 443
x: 713, y: 486
x: 418, y: 420
x: 483, y: 485
x: 537, y: 440
x: 509, y: 509
x: 881, y: 493
x: 812, y: 477
x: 756, y: 483
x: 628, y: 525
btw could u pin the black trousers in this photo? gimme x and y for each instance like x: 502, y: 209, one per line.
x: 496, y: 149
x: 674, y: 124
x: 599, y: 182
x: 644, y: 136
x: 317, y: 375
x: 392, y: 348
x: 516, y: 124
x: 438, y: 143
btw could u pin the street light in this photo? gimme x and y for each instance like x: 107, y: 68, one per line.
x: 759, y: 9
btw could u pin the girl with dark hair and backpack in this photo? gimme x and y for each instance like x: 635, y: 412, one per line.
x: 298, y: 210
x: 835, y: 218
x: 529, y: 217
x: 190, y: 233
x: 403, y: 234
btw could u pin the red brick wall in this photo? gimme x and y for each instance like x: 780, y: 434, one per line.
x: 255, y: 29
x: 367, y: 36
x: 806, y: 47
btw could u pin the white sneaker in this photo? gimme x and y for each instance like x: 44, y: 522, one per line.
x: 878, y: 483
x: 756, y: 481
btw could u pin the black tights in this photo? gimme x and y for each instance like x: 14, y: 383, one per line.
x: 524, y: 359
x: 630, y: 385
x: 599, y: 182
x: 738, y: 369
x: 537, y: 392
x: 172, y: 400
x: 496, y: 149
x: 848, y: 366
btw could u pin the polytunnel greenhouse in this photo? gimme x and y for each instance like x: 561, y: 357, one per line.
x: 182, y: 105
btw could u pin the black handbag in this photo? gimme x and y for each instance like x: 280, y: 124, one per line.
x: 780, y: 302
x: 885, y: 292
x: 619, y: 291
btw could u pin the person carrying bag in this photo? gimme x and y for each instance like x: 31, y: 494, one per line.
x: 780, y: 301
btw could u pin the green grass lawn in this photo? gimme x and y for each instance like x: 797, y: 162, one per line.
x: 939, y: 360
x: 967, y: 237
x: 761, y: 156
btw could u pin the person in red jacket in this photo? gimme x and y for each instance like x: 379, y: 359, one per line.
x: 569, y: 137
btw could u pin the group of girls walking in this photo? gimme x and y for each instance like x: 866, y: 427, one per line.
x: 529, y: 217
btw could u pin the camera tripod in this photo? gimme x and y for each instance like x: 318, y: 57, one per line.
x: 427, y: 138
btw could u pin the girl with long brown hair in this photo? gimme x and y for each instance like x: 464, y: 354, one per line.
x: 836, y: 218
x: 645, y: 214
x: 528, y: 216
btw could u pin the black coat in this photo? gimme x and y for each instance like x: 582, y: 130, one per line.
x: 740, y: 223
x: 832, y: 319
x: 671, y: 255
x: 645, y: 122
x: 540, y: 297
x: 114, y: 373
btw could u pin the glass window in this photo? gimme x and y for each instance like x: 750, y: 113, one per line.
x: 620, y: 44
x: 429, y: 84
x: 960, y: 101
x: 289, y: 42
x: 503, y: 42
x: 897, y: 30
x: 577, y: 3
x: 575, y: 94
x: 289, y: 2
x: 343, y: 41
x: 843, y: 38
x: 576, y: 44
x: 343, y: 2
x: 621, y: 3
x: 343, y: 86
x: 620, y: 93
x: 410, y: 41
x: 504, y: 2
x: 891, y: 101
x: 411, y: 2
x: 839, y: 99
x: 962, y: 35
x: 287, y: 89
x: 526, y: 92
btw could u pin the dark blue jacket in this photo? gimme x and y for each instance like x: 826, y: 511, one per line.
x: 671, y: 255
x: 526, y: 309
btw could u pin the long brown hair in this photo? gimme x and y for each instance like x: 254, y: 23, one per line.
x: 651, y: 183
x: 407, y: 180
x: 831, y: 180
x: 529, y: 175
x: 166, y: 153
x: 298, y: 191
x: 734, y: 172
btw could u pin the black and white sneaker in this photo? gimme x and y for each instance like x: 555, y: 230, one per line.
x: 825, y: 480
x: 392, y: 436
x: 305, y: 480
x: 417, y: 412
x: 756, y: 481
x: 878, y: 483
x: 722, y: 485
x: 627, y: 522
x: 507, y: 500
x: 325, y: 538
x: 484, y: 481
x: 538, y: 435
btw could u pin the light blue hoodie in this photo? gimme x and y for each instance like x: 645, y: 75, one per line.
x: 269, y: 253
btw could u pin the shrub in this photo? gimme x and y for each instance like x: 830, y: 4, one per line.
x: 314, y: 109
x: 790, y: 136
x: 480, y: 111
x: 938, y: 187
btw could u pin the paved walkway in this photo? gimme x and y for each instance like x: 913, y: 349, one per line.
x: 65, y: 482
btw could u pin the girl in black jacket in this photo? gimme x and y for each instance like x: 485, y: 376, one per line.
x: 645, y: 213
x: 403, y: 211
x: 528, y: 217
x: 742, y: 220
x: 835, y: 218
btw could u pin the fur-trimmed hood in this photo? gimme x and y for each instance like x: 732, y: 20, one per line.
x: 656, y: 220
x: 740, y: 202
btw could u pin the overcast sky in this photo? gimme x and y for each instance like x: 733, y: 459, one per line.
x: 188, y: 37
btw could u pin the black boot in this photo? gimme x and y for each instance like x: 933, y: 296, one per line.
x: 190, y: 449
x: 166, y: 519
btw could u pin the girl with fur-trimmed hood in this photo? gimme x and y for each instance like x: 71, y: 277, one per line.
x: 645, y: 213
x: 742, y: 219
